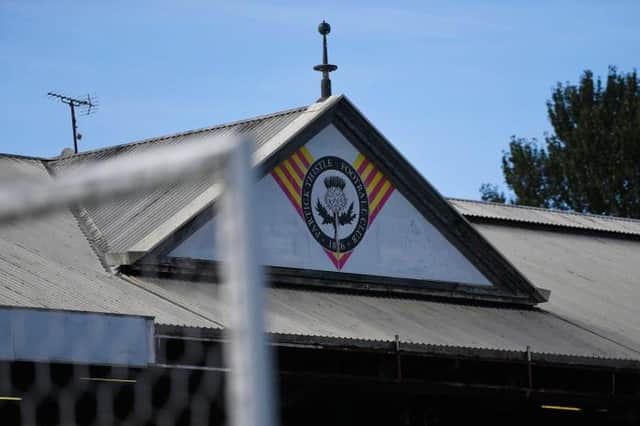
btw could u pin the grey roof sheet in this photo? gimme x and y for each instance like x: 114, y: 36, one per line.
x: 593, y: 309
x: 316, y: 313
x: 48, y: 263
x: 534, y: 215
x: 594, y: 280
x: 124, y: 222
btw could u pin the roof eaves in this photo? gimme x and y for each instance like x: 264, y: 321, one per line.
x: 502, y: 218
x: 311, y: 114
x: 328, y: 342
x: 541, y: 209
x: 152, y: 240
x: 469, y: 240
x: 24, y: 157
x: 165, y: 230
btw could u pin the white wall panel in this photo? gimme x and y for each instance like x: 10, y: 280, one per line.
x: 68, y: 336
x: 399, y: 242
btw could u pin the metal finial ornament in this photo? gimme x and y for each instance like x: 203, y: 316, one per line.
x: 325, y: 85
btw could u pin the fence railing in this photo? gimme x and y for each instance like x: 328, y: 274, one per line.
x: 250, y: 393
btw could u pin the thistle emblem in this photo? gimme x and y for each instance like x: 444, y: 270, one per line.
x: 335, y: 211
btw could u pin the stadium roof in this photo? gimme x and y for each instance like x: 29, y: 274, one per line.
x: 590, y: 264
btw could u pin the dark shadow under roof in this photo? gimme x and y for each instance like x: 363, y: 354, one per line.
x: 422, y: 322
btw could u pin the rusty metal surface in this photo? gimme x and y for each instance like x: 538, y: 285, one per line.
x: 327, y: 314
x: 123, y: 223
x: 533, y: 215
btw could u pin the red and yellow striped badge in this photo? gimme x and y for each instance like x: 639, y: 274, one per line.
x: 290, y: 175
x: 378, y: 187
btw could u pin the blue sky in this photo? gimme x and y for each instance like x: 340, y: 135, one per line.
x: 446, y: 82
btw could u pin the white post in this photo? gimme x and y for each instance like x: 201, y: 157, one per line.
x: 95, y: 183
x: 250, y: 392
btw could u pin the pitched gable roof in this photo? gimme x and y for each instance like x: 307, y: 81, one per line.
x: 598, y: 312
x: 133, y: 227
x: 121, y: 224
x: 433, y: 205
x: 61, y: 272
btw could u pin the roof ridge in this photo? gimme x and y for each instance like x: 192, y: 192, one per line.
x: 87, y: 227
x: 23, y: 157
x: 184, y: 133
x: 542, y: 209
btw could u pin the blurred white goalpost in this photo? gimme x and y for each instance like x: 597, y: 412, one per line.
x: 250, y: 389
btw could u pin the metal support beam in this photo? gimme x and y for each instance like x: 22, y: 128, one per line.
x: 398, y: 359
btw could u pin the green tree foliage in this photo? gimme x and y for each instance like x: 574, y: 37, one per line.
x: 491, y: 192
x: 591, y: 163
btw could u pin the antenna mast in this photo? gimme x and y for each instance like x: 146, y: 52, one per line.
x: 88, y: 104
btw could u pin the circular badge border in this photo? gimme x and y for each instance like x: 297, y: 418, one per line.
x: 347, y: 243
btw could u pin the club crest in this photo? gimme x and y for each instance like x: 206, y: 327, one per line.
x: 335, y: 206
x: 337, y: 201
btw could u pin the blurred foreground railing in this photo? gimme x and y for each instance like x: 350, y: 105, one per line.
x: 250, y: 393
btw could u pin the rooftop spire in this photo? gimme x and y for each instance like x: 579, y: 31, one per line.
x: 325, y: 86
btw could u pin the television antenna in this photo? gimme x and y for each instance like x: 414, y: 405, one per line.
x: 87, y: 105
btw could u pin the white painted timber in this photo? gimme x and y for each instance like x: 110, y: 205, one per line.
x: 296, y: 126
x: 399, y: 243
x: 151, y: 240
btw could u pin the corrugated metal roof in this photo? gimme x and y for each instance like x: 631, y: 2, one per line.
x: 593, y: 278
x: 323, y: 342
x: 594, y: 281
x: 592, y: 311
x: 534, y: 215
x: 14, y: 167
x: 48, y: 263
x: 122, y: 223
x: 316, y: 313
